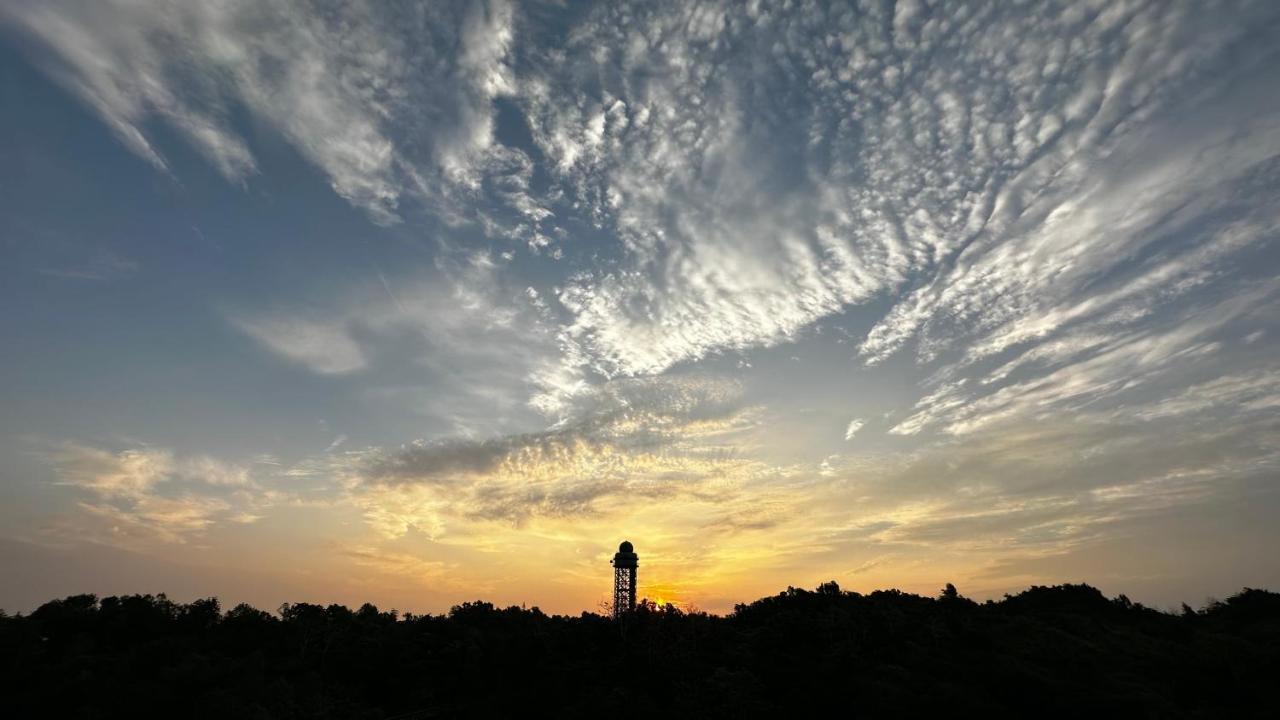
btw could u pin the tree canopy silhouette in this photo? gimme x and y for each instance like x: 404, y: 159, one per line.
x: 1047, y: 651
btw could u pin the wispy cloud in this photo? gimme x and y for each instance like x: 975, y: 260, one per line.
x: 101, y: 265
x: 349, y: 86
x: 481, y: 348
x: 1096, y: 373
x: 129, y: 473
x: 144, y: 495
x: 1042, y: 496
x: 853, y: 427
x: 637, y: 439
x: 324, y: 346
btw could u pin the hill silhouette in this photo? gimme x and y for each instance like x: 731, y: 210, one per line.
x: 1048, y: 651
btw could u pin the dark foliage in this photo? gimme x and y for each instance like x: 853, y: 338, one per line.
x: 1049, y: 651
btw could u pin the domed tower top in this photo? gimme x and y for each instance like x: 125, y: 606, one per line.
x: 626, y: 556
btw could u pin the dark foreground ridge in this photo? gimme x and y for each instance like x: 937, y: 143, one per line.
x: 1049, y: 651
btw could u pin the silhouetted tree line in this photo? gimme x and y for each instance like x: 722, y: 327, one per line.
x: 1048, y: 651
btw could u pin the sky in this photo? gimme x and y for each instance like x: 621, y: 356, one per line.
x: 416, y: 303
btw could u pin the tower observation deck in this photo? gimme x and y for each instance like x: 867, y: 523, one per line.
x: 625, y: 562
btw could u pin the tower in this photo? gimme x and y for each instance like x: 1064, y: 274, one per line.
x: 625, y: 562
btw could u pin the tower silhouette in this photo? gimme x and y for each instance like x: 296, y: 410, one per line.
x: 625, y: 562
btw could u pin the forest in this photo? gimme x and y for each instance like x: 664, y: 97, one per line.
x: 1058, y: 651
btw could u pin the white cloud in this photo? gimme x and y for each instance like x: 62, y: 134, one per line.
x: 349, y: 86
x: 1236, y: 393
x: 322, y: 346
x: 853, y: 427
x: 478, y: 344
x: 1123, y: 364
x: 994, y: 176
x: 983, y: 175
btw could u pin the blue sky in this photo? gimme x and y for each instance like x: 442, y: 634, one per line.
x: 419, y: 302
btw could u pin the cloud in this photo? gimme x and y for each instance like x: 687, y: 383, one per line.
x: 853, y: 427
x: 349, y: 86
x: 1237, y: 394
x: 151, y: 519
x: 475, y: 349
x: 993, y: 179
x: 1089, y: 374
x: 991, y: 175
x: 325, y: 347
x: 407, y: 566
x: 651, y: 439
x: 1050, y: 485
x: 129, y: 473
x: 973, y: 178
x: 868, y: 565
x: 145, y: 495
x: 101, y: 265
